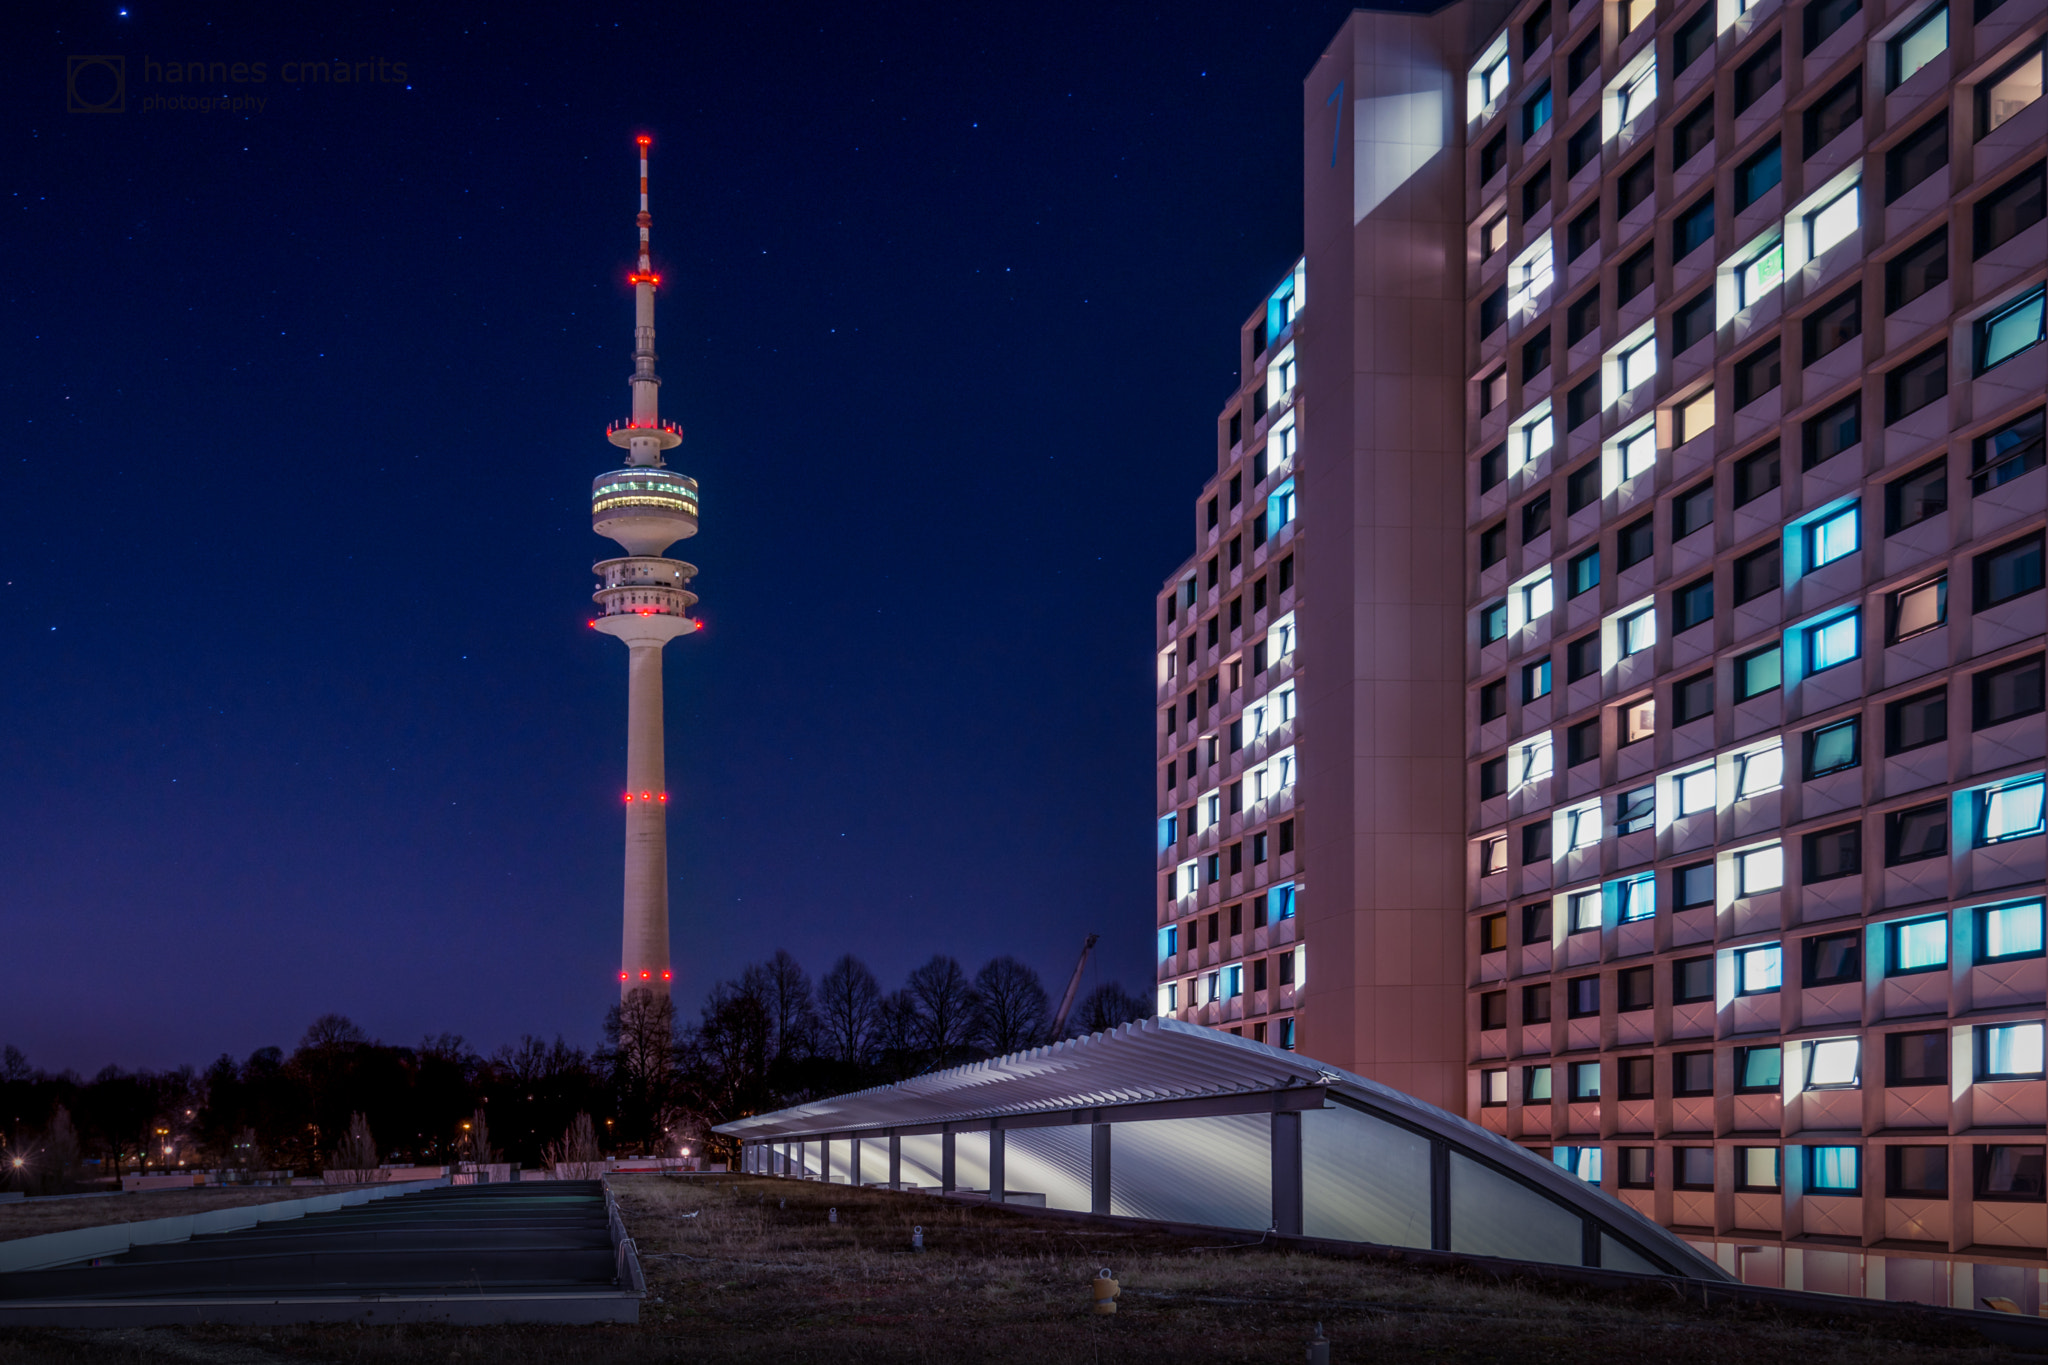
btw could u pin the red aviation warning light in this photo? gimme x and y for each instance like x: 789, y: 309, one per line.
x: 667, y: 975
x: 622, y: 976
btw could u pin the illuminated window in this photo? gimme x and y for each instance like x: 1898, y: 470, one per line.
x: 1635, y: 96
x: 1581, y: 828
x: 2009, y: 1052
x: 1756, y: 1168
x: 1833, y: 537
x: 1918, y: 609
x: 1280, y: 377
x: 1834, y: 643
x: 1280, y: 445
x: 1918, y: 46
x: 1637, y: 632
x: 1759, y: 870
x: 1834, y: 1170
x: 1834, y: 1064
x: 1637, y: 452
x: 1535, y: 1084
x: 1758, y: 1070
x: 1585, y: 1079
x: 1280, y: 903
x: 1493, y: 237
x: 1759, y: 772
x: 1493, y: 1088
x: 1639, y: 720
x: 1759, y: 971
x: 1584, y: 912
x: 1917, y: 945
x: 1209, y: 810
x: 2012, y: 329
x: 1187, y: 880
x: 1759, y: 275
x: 2010, y: 811
x: 1491, y: 76
x: 1694, y: 791
x: 1695, y: 417
x: 1280, y: 507
x: 1534, y: 435
x: 1537, y: 598
x: 1832, y: 223
x: 1535, y: 759
x: 1638, y: 364
x: 1635, y: 898
x: 1280, y: 639
x: 2012, y: 90
x: 2005, y: 932
x: 1493, y: 855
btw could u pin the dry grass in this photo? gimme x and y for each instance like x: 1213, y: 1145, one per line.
x: 760, y: 1275
x: 32, y: 1218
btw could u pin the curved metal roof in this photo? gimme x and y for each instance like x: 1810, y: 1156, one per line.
x: 1160, y: 1060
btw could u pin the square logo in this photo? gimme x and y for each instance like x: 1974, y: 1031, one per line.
x: 96, y: 85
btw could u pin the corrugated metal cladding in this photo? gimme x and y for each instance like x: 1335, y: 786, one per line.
x: 1173, y: 1122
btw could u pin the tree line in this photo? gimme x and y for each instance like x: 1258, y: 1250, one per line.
x: 768, y: 1038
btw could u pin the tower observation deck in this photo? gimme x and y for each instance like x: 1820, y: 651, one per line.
x: 644, y: 601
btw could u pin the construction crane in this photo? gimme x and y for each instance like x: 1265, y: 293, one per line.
x: 1059, y: 1020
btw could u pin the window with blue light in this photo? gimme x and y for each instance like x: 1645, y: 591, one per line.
x: 1834, y: 1170
x: 1833, y: 537
x: 2017, y: 327
x: 1233, y: 982
x: 1280, y: 902
x: 1835, y: 643
x: 1583, y: 1162
x: 2009, y: 1052
x: 1169, y: 831
x: 1493, y: 622
x: 1635, y: 898
x: 1917, y: 945
x: 1759, y: 971
x: 1536, y: 112
x: 1169, y: 941
x: 2011, y: 810
x: 1759, y: 1070
x: 1282, y: 306
x: 2006, y: 932
x: 1280, y: 507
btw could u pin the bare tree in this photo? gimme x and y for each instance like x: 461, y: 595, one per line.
x: 576, y: 1156
x: 1105, y: 1007
x: 784, y: 990
x: 641, y: 1030
x: 1010, y: 1007
x: 945, y: 1008
x: 354, y: 1162
x: 476, y: 1142
x: 729, y: 1052
x: 898, y: 1033
x: 848, y: 999
x: 332, y: 1031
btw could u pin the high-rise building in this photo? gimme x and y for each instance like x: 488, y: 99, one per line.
x: 1666, y: 500
x: 644, y: 603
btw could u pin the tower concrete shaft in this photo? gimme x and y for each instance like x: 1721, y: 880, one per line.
x: 644, y: 602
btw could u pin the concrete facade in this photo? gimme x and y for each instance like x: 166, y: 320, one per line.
x: 1725, y: 319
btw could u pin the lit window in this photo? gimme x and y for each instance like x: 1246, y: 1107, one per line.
x: 1832, y: 1064
x: 1188, y: 880
x: 1638, y: 364
x: 1280, y: 445
x: 1585, y: 1079
x: 1169, y: 831
x: 1493, y: 855
x: 2009, y: 931
x: 1834, y: 1170
x: 1169, y: 941
x: 1759, y: 1070
x: 1169, y: 998
x: 2011, y: 811
x: 1759, y: 275
x: 1638, y: 632
x: 1694, y: 791
x: 1833, y: 748
x: 1283, y: 767
x: 1531, y: 276
x: 1282, y: 706
x: 1584, y: 912
x: 1758, y: 971
x: 1209, y: 810
x: 1638, y: 451
x: 1536, y: 598
x: 1492, y: 75
x: 1534, y: 437
x: 1759, y: 772
x: 2009, y: 1051
x: 1830, y: 539
x: 1280, y: 639
x: 1581, y: 828
x: 1919, y: 45
x: 1535, y: 1084
x: 1280, y: 903
x: 1695, y: 417
x: 1280, y: 377
x: 1279, y: 507
x: 1758, y: 672
x: 1837, y: 642
x: 2016, y: 327
x: 1756, y: 1168
x: 1635, y: 898
x: 1493, y: 1087
x: 1639, y: 721
x: 2013, y: 90
x: 1493, y: 237
x: 1759, y: 870
x: 1536, y: 759
x: 1636, y: 95
x: 1583, y: 1162
x: 1636, y: 810
x: 1919, y: 945
x: 1831, y: 223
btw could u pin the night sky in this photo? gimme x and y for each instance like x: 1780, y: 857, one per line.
x: 299, y: 707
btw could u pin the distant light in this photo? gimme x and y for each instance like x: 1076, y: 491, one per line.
x: 629, y: 798
x: 664, y: 796
x: 622, y: 976
x: 643, y: 139
x: 643, y: 976
x: 667, y: 975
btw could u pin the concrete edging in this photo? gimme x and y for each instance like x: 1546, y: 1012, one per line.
x: 50, y: 1250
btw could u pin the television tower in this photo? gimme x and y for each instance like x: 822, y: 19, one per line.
x: 644, y: 602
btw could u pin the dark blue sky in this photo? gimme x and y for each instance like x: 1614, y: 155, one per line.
x: 299, y: 710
